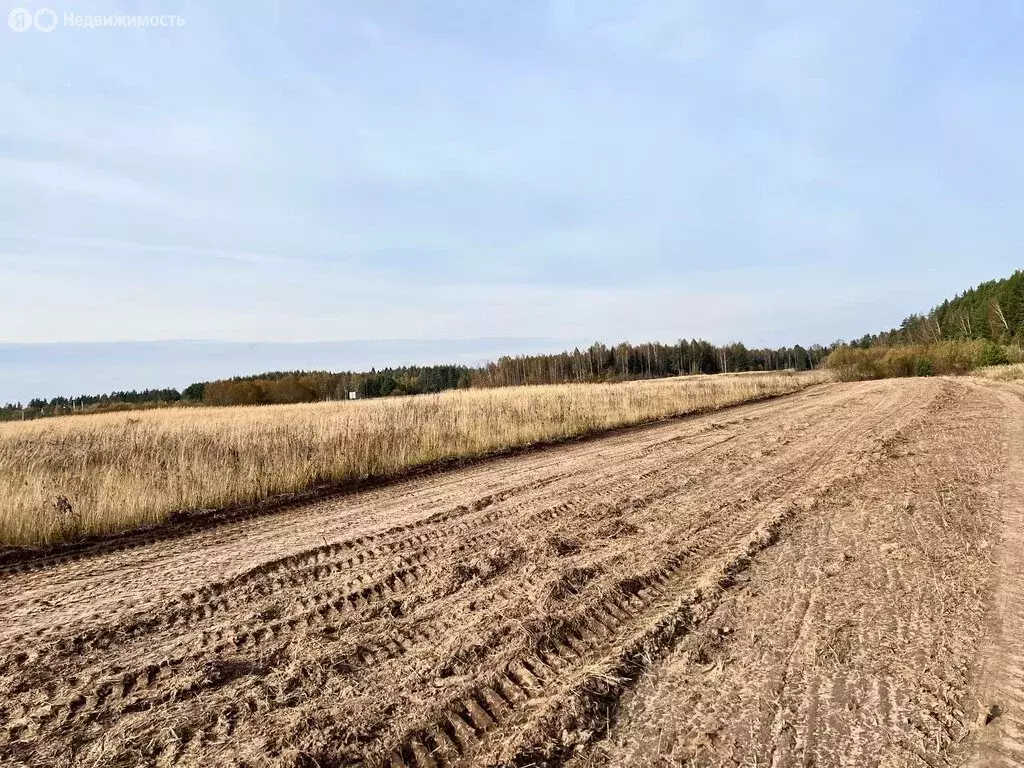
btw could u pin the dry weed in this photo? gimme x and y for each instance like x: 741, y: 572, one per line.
x: 1002, y: 372
x: 117, y: 471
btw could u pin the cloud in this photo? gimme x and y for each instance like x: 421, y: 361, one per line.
x: 87, y: 244
x: 577, y: 170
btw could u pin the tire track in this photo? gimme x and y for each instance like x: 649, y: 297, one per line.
x: 851, y: 644
x: 1000, y: 714
x: 338, y: 606
x: 423, y: 749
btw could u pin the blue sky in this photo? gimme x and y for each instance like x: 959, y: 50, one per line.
x: 773, y: 172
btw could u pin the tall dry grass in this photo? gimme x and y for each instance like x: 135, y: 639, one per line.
x: 1013, y: 372
x: 67, y: 477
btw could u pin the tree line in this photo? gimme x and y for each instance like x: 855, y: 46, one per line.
x: 263, y: 389
x: 643, y: 361
x: 598, y: 362
x: 992, y: 311
x: 311, y: 386
x: 111, y: 401
x: 980, y: 327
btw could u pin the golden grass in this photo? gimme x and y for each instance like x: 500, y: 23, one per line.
x: 1002, y: 372
x: 122, y: 470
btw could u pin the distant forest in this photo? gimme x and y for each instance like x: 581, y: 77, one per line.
x: 642, y: 361
x: 596, y: 363
x: 991, y: 312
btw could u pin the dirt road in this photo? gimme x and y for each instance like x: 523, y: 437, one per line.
x: 823, y: 579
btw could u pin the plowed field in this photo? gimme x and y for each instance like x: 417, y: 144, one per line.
x: 830, y: 578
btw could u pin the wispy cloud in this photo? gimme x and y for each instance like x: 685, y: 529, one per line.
x: 318, y: 170
x: 96, y: 244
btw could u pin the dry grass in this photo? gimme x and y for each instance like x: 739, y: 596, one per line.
x: 1002, y: 372
x: 67, y: 477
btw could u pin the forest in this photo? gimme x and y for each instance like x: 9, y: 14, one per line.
x: 598, y: 362
x: 643, y: 361
x: 992, y: 311
x: 312, y: 386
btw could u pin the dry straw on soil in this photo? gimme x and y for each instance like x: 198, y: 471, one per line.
x: 67, y: 477
x: 1003, y: 372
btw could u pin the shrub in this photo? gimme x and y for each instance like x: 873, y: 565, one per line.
x: 900, y: 361
x: 993, y: 354
x: 944, y: 358
x: 852, y: 364
x: 955, y: 358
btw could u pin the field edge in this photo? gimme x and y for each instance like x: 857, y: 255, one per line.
x: 183, y: 522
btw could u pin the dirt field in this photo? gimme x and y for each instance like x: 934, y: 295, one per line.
x: 832, y: 578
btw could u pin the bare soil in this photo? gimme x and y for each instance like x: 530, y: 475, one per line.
x: 832, y: 578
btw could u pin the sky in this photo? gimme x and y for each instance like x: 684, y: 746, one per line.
x: 767, y: 171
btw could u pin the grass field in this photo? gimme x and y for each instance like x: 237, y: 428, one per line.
x: 67, y: 477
